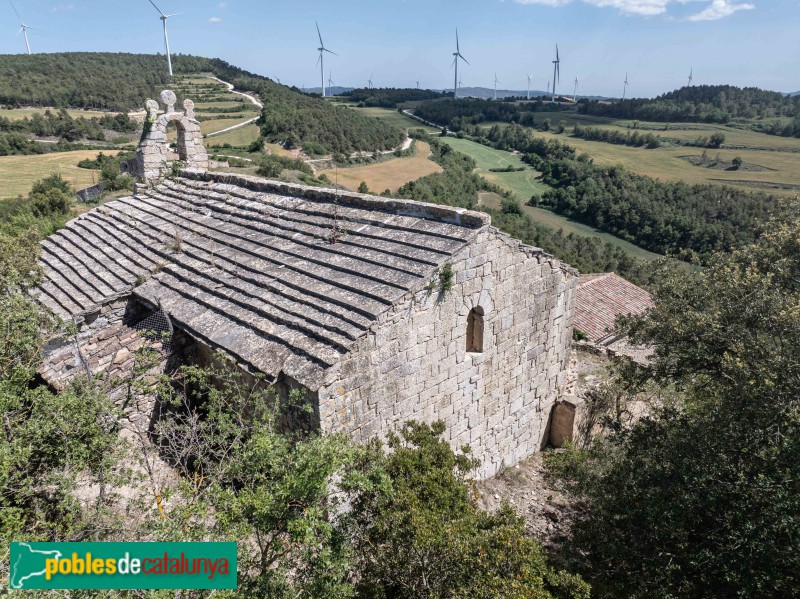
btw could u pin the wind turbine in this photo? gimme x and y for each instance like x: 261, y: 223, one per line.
x: 456, y: 56
x: 624, y: 89
x: 575, y: 93
x: 370, y: 81
x: 322, y: 49
x: 166, y: 39
x: 417, y: 84
x: 330, y: 79
x: 691, y: 70
x: 23, y: 27
x: 495, y: 86
x: 556, y: 73
x: 529, y: 86
x: 548, y: 88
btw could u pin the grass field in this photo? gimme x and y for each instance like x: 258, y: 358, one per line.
x: 17, y: 114
x: 18, y: 173
x: 522, y: 184
x: 392, y: 117
x: 669, y: 164
x: 391, y: 174
x: 242, y: 136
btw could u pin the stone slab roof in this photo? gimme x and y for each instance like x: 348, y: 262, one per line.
x: 600, y: 298
x: 250, y: 266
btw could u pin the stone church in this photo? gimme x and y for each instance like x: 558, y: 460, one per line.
x: 381, y: 310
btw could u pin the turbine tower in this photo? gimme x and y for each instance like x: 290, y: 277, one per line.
x: 556, y: 73
x: 691, y: 70
x: 625, y: 88
x: 456, y: 56
x: 166, y: 39
x: 322, y: 49
x: 495, y: 86
x: 529, y: 86
x: 23, y: 27
x: 575, y: 93
x: 548, y: 88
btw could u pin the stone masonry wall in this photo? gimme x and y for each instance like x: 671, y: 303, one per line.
x: 414, y: 365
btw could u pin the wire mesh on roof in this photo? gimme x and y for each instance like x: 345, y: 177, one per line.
x: 157, y: 328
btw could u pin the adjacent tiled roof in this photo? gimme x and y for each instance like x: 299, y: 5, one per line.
x: 600, y: 298
x: 248, y: 265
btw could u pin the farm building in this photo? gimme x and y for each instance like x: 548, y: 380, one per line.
x: 600, y: 298
x: 379, y: 310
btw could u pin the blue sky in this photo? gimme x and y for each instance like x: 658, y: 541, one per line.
x: 741, y: 42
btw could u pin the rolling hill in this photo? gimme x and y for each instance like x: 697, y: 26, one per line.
x: 122, y: 82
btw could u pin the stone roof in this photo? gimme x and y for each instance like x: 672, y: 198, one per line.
x: 600, y: 298
x: 249, y: 266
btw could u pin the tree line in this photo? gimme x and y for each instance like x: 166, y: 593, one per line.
x: 700, y: 103
x: 391, y: 97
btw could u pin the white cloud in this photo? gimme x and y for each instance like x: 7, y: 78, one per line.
x: 719, y: 9
x: 646, y: 8
x: 62, y: 8
x: 650, y: 8
x: 215, y: 20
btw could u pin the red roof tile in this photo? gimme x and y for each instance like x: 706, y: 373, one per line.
x: 600, y: 298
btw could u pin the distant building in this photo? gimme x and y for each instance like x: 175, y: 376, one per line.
x: 600, y: 298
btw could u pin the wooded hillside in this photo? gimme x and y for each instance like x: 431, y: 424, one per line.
x: 701, y: 103
x: 122, y: 82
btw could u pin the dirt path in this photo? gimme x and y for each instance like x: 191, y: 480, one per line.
x: 255, y: 102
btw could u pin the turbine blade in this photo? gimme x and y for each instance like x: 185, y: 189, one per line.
x: 464, y: 59
x: 318, y: 59
x: 329, y: 52
x: 457, y: 48
x: 175, y: 14
x: 320, y: 36
x: 556, y: 52
x: 156, y: 7
x: 15, y: 12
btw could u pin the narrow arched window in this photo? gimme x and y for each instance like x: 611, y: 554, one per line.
x: 475, y: 330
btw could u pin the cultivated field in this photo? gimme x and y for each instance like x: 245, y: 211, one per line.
x: 17, y: 114
x: 670, y: 164
x: 779, y: 156
x: 391, y: 174
x: 18, y: 173
x: 243, y: 136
